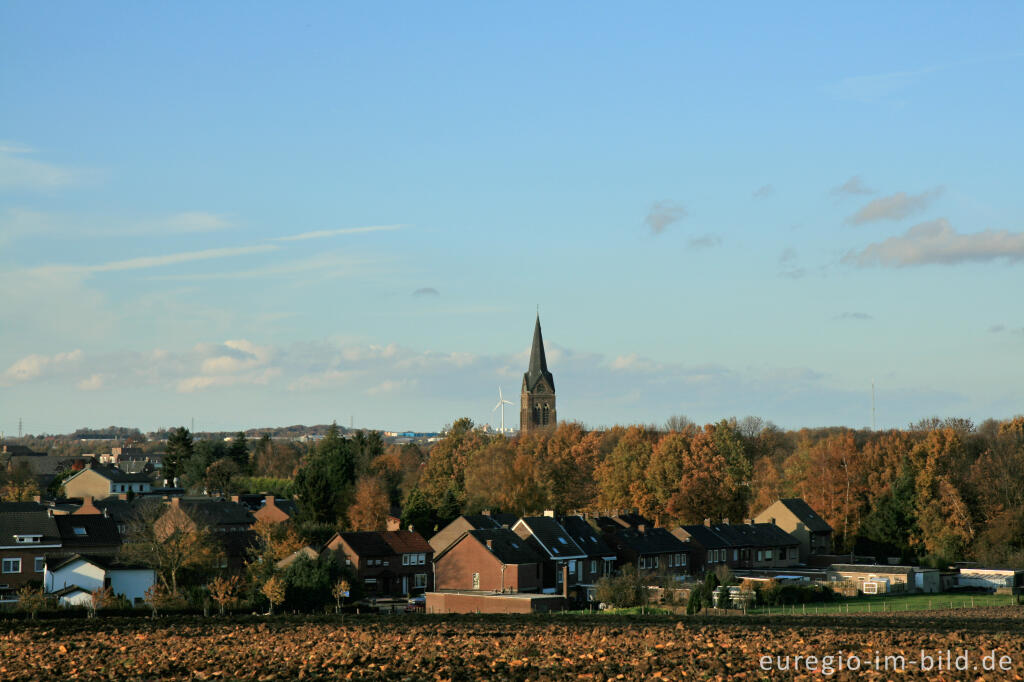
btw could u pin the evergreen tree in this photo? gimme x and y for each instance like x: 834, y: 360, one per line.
x: 179, y: 452
x: 239, y: 452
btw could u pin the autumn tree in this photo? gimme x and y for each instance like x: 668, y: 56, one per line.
x: 168, y: 541
x: 31, y: 600
x: 445, y: 469
x: 274, y: 590
x: 224, y: 591
x: 370, y: 508
x: 624, y: 465
x: 705, y: 487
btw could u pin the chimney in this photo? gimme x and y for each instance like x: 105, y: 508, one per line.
x: 122, y: 496
x: 38, y: 499
x: 641, y: 528
x: 707, y: 522
x: 268, y: 500
x: 772, y: 520
x: 486, y: 512
x: 409, y: 528
x: 725, y: 521
x: 106, y: 513
x: 176, y: 502
x: 235, y: 498
x: 490, y: 544
x: 550, y: 513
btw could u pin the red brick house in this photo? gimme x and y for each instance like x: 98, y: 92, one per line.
x: 491, y: 559
x: 388, y: 563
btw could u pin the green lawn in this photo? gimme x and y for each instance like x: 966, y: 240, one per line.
x: 893, y: 602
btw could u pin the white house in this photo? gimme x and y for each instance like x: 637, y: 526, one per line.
x: 92, y: 573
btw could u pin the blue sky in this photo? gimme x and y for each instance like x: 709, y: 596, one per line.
x: 264, y: 213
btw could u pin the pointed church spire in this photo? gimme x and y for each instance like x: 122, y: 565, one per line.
x: 538, y: 361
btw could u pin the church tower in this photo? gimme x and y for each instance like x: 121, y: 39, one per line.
x: 538, y: 399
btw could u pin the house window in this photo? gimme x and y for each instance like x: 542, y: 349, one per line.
x: 79, y: 530
x: 572, y: 566
x: 420, y: 582
x: 768, y: 555
x: 683, y: 557
x: 421, y: 558
x: 593, y: 566
x: 655, y: 559
x: 26, y: 539
x: 735, y: 555
x: 40, y: 564
x: 476, y: 581
x: 760, y: 555
x: 405, y: 559
x: 12, y: 566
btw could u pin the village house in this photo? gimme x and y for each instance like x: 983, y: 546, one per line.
x: 562, y: 556
x: 653, y: 551
x: 600, y: 558
x: 275, y: 510
x: 739, y: 545
x: 99, y: 481
x: 28, y: 534
x: 388, y: 563
x: 490, y: 559
x: 883, y: 578
x: 90, y: 573
x: 796, y: 517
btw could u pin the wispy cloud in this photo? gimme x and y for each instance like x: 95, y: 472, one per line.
x: 19, y: 172
x: 894, y: 207
x: 662, y: 214
x: 426, y: 291
x: 936, y: 243
x: 705, y: 241
x: 336, y: 263
x: 764, y: 191
x: 177, y: 258
x: 322, y: 234
x: 854, y: 316
x: 789, y: 265
x: 852, y: 187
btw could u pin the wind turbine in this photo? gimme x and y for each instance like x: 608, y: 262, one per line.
x: 501, y: 404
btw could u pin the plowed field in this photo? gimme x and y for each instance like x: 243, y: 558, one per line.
x: 510, y: 647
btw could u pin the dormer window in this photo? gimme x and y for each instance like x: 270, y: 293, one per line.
x: 27, y: 539
x: 79, y: 530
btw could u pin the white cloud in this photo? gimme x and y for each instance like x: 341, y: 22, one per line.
x: 936, y: 243
x: 894, y: 207
x: 321, y: 234
x: 34, y: 366
x: 93, y: 382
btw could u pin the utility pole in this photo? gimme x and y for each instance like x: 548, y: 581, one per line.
x: 19, y: 427
x: 872, y: 404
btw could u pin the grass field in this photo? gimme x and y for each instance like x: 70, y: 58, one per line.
x: 893, y: 603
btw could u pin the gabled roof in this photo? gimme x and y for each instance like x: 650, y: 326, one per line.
x: 27, y: 518
x: 754, y: 535
x: 367, y: 543
x: 610, y: 524
x: 97, y: 530
x: 508, y: 547
x: 405, y: 541
x: 479, y: 521
x: 806, y: 515
x: 120, y: 511
x: 538, y: 368
x: 215, y: 511
x: 552, y: 538
x: 588, y: 539
x: 705, y: 537
x: 105, y: 562
x: 650, y: 541
x: 113, y: 474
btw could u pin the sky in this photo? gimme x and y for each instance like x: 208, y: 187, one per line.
x: 259, y: 214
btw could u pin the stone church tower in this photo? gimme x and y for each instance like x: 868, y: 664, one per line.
x: 538, y: 398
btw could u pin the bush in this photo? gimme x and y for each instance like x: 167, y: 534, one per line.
x: 626, y: 589
x: 697, y: 600
x: 784, y: 595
